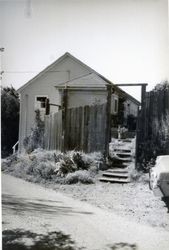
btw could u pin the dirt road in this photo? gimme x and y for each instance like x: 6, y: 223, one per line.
x: 31, y: 207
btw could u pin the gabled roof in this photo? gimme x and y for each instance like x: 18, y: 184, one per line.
x: 67, y: 54
x: 90, y: 80
x: 123, y: 93
x: 93, y: 72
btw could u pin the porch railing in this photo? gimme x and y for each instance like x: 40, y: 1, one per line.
x: 14, y: 147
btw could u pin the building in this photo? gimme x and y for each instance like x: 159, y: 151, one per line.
x: 85, y: 87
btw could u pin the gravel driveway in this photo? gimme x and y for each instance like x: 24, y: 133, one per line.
x: 33, y: 208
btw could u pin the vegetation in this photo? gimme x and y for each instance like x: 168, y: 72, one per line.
x: 157, y: 138
x: 9, y: 119
x: 82, y: 176
x: 36, y: 138
x: 51, y: 166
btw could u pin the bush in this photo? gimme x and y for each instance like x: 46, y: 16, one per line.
x: 7, y: 163
x: 36, y: 138
x: 82, y: 176
x: 41, y: 166
x: 79, y: 161
x: 66, y: 166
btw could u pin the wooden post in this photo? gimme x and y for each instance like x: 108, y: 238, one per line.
x: 141, y: 123
x: 64, y: 116
x: 108, y: 121
x: 143, y: 111
x: 47, y: 106
x: 137, y: 136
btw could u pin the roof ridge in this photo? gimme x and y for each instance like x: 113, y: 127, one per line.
x: 58, y: 60
x: 80, y: 62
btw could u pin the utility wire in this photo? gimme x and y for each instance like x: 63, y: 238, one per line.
x: 27, y: 72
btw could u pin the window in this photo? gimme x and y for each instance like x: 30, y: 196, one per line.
x: 115, y: 105
x: 40, y: 102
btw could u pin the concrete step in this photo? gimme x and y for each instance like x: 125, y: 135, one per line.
x: 113, y: 174
x: 118, y: 170
x: 119, y: 150
x: 125, y: 159
x: 114, y: 180
x: 123, y: 155
x: 121, y: 165
x: 121, y: 159
x: 127, y: 140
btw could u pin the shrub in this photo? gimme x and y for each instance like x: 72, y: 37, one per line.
x: 82, y: 176
x: 93, y: 170
x: 7, y: 163
x: 41, y: 166
x: 79, y: 161
x: 66, y: 165
x: 92, y: 159
x: 36, y: 138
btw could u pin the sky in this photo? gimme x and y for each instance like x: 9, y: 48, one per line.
x: 127, y: 41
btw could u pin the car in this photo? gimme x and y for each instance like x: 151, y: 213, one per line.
x: 159, y: 175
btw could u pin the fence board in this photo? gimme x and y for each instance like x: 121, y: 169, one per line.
x: 53, y: 131
x: 85, y: 129
x: 153, y: 134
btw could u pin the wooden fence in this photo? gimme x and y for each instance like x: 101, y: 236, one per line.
x: 153, y: 125
x: 82, y: 128
x: 157, y: 109
x: 53, y: 131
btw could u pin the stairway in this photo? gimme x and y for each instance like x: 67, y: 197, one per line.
x: 122, y: 155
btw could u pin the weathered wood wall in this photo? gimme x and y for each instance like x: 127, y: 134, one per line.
x: 157, y: 109
x: 81, y: 128
x: 153, y: 125
x: 53, y: 131
x: 86, y: 127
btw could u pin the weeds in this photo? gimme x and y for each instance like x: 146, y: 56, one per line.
x: 43, y: 166
x: 82, y: 176
x: 36, y: 138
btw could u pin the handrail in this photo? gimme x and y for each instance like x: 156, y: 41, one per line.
x: 14, y: 147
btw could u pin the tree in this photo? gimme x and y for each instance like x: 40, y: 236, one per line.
x: 9, y: 119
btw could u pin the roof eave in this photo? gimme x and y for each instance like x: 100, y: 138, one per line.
x: 42, y: 72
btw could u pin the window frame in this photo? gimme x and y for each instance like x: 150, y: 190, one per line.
x: 116, y: 102
x: 36, y: 96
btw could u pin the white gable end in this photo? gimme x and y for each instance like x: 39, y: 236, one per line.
x: 65, y: 68
x: 89, y: 80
